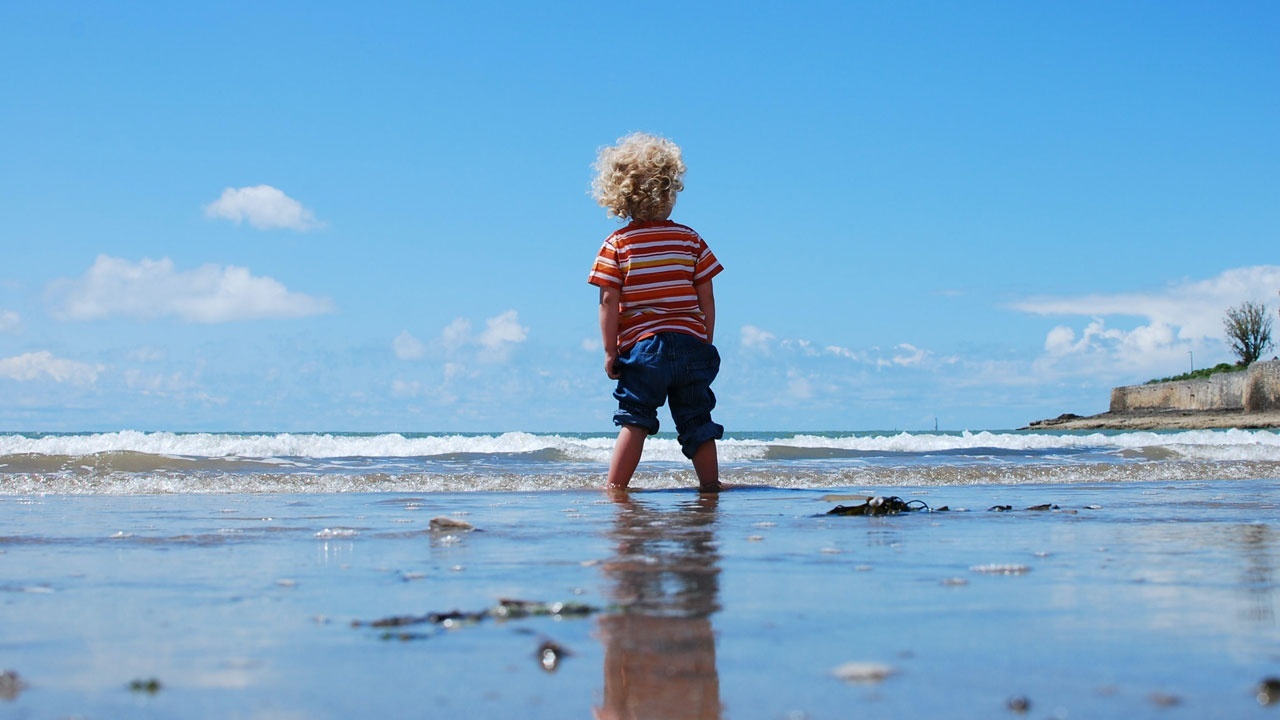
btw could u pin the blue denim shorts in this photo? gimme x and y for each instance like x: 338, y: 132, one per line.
x: 675, y: 367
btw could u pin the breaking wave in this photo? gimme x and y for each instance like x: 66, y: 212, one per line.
x: 166, y: 462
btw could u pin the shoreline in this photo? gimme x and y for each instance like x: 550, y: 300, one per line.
x: 1161, y: 420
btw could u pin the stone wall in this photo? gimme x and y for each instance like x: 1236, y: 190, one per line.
x: 1262, y: 389
x: 1254, y: 390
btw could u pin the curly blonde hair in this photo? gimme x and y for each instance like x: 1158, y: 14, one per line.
x: 639, y: 177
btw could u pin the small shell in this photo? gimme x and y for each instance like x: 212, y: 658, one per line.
x: 550, y: 654
x: 863, y: 672
x: 1000, y: 569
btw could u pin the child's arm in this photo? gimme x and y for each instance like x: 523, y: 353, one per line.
x: 610, y: 300
x: 707, y: 303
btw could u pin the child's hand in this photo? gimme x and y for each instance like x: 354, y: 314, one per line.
x: 610, y: 366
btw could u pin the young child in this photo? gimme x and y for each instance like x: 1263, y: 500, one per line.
x: 657, y: 309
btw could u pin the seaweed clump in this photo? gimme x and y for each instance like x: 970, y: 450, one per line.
x: 880, y: 505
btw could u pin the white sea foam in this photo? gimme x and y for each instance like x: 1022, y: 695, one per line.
x: 1196, y: 444
x: 284, y: 445
x: 943, y: 442
x: 138, y: 463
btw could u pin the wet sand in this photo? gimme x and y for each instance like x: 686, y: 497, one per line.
x: 1125, y: 600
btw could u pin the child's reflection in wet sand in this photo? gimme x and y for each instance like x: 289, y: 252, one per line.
x: 660, y: 650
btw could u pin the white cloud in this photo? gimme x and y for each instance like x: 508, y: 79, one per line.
x: 804, y: 346
x: 35, y: 365
x: 798, y: 387
x: 406, y: 388
x: 1175, y: 324
x: 753, y: 338
x: 454, y: 371
x: 909, y: 355
x: 146, y: 354
x: 264, y: 207
x: 456, y: 334
x: 846, y: 353
x: 442, y: 393
x: 1099, y: 348
x: 1194, y: 308
x: 408, y: 347
x: 152, y: 289
x: 10, y: 321
x: 158, y: 383
x: 904, y: 355
x: 502, y: 331
x: 1060, y: 341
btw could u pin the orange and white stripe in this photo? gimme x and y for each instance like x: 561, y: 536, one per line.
x: 657, y: 265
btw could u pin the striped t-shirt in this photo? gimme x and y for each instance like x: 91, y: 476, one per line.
x: 656, y: 264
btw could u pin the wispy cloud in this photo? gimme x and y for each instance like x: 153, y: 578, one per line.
x: 263, y: 207
x: 503, y: 331
x: 151, y: 289
x: 753, y: 338
x: 459, y: 344
x: 44, y: 364
x: 757, y: 341
x: 908, y: 355
x: 468, y: 368
x: 501, y: 334
x: 10, y: 321
x: 408, y: 347
x: 1195, y: 308
x: 799, y: 387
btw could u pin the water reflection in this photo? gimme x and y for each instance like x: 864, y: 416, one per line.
x: 1257, y: 542
x: 659, y: 647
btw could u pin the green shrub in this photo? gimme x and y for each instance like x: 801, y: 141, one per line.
x: 1201, y: 373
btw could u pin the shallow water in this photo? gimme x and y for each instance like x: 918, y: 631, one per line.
x: 1132, y: 599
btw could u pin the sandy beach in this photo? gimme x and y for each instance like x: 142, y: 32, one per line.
x: 1124, y: 600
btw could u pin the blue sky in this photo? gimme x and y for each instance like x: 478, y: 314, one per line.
x: 318, y: 216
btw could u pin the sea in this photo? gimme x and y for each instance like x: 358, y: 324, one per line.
x: 488, y: 575
x: 134, y: 462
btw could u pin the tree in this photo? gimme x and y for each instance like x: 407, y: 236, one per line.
x: 1248, y: 329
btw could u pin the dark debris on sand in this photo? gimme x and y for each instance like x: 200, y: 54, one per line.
x: 11, y: 685
x: 893, y: 505
x: 506, y: 609
x: 549, y: 653
x: 879, y: 505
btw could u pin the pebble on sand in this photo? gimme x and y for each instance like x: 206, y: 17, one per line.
x: 1269, y: 691
x: 442, y: 523
x: 11, y: 685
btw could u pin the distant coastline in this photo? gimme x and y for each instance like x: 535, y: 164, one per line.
x: 1161, y: 420
x: 1248, y: 399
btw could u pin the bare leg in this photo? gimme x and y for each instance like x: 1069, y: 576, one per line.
x: 706, y: 464
x: 626, y: 455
